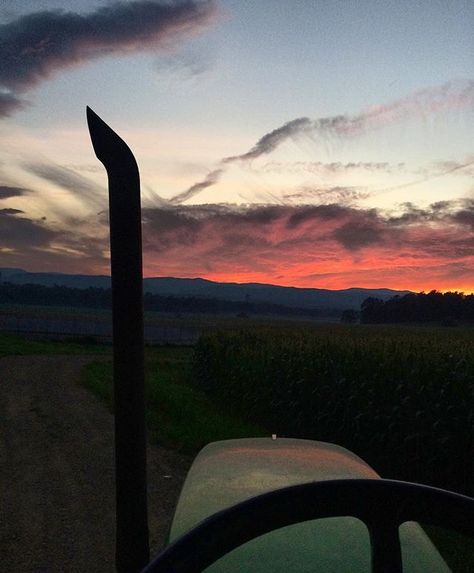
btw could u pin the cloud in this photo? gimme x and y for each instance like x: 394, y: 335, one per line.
x: 37, y: 244
x: 10, y: 211
x: 88, y: 192
x: 270, y: 141
x: 338, y: 194
x: 465, y: 215
x: 23, y: 233
x: 442, y: 169
x: 329, y: 246
x: 6, y: 192
x: 211, y: 179
x: 36, y: 46
x: 465, y: 168
x: 459, y: 211
x: 352, y: 228
x: 185, y: 64
x: 9, y: 103
x: 356, y: 235
x: 298, y: 216
x: 337, y: 245
x: 420, y: 104
x: 337, y: 167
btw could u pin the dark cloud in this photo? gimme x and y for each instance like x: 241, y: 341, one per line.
x: 300, y: 215
x: 270, y: 141
x: 164, y: 220
x: 412, y: 214
x: 33, y: 47
x: 211, y: 179
x: 465, y: 215
x: 20, y: 232
x: 9, y: 102
x: 10, y: 211
x: 356, y: 235
x: 6, y: 191
x: 353, y: 227
x: 441, y: 206
x: 281, y: 226
x: 257, y: 215
x: 459, y: 211
x: 163, y: 228
x: 263, y: 242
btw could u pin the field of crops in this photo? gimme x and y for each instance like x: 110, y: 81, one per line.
x: 401, y: 398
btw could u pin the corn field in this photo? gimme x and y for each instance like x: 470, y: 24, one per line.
x: 401, y: 398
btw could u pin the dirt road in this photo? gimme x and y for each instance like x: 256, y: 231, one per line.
x: 56, y: 471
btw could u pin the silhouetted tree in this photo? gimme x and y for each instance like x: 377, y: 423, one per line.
x: 447, y: 308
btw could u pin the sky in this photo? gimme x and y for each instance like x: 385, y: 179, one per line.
x: 324, y: 144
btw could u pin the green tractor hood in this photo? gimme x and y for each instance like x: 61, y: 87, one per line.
x: 225, y: 473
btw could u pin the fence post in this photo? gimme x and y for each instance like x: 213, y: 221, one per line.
x: 132, y: 546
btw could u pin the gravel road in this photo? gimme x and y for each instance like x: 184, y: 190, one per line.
x: 57, y: 475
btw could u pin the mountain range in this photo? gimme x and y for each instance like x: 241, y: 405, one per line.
x: 196, y: 287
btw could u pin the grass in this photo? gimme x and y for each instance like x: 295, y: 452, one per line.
x: 179, y: 416
x: 97, y: 377
x: 17, y: 345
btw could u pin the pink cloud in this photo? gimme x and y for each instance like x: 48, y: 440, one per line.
x: 326, y: 246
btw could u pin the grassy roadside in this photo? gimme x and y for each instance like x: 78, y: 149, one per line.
x: 179, y: 416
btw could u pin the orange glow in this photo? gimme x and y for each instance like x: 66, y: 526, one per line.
x: 401, y: 282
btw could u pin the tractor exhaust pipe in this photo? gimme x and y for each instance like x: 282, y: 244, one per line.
x: 132, y: 545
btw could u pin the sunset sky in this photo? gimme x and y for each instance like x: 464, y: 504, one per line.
x: 310, y: 143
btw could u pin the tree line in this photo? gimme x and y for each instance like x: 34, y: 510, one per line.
x: 96, y: 297
x: 434, y: 306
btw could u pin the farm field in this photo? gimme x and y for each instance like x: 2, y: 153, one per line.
x: 401, y: 397
x: 202, y: 321
x: 64, y: 322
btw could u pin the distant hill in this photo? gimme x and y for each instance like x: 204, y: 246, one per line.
x: 249, y: 292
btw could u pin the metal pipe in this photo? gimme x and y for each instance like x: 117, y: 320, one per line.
x: 132, y: 545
